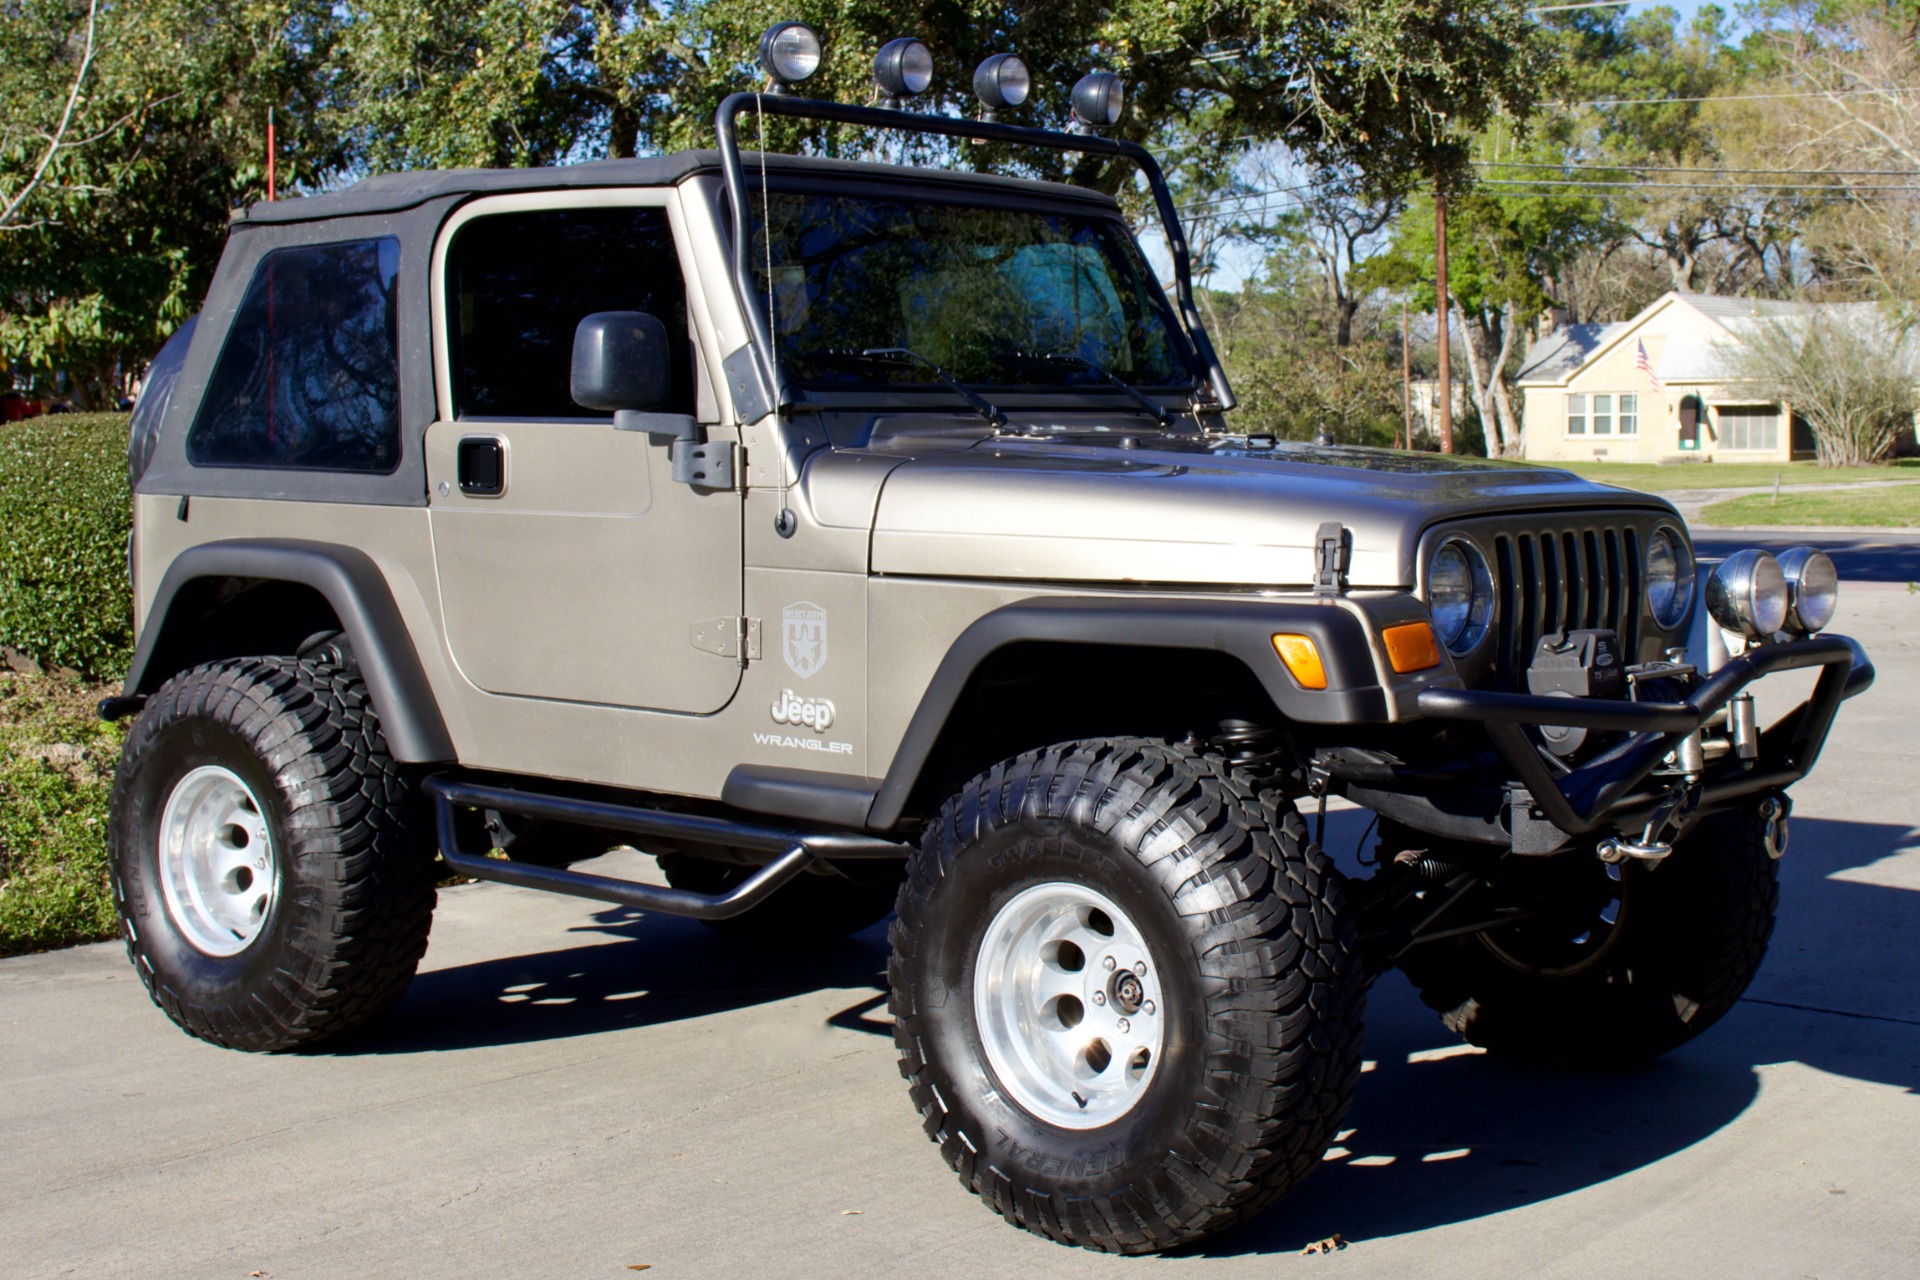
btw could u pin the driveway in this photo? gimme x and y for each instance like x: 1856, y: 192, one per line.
x: 570, y: 1092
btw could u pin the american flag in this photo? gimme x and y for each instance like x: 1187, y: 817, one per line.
x: 1645, y: 365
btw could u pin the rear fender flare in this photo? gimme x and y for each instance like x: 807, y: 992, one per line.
x: 353, y: 585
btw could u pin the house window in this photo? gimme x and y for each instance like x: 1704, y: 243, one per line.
x: 1630, y: 415
x: 1603, y: 415
x: 309, y: 377
x: 1576, y: 415
x: 1750, y: 426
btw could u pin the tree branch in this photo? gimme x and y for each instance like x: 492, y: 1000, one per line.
x: 57, y: 142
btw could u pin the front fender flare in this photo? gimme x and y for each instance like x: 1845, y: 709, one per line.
x: 361, y: 599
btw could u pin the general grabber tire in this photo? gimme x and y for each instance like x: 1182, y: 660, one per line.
x: 1194, y: 1082
x: 271, y: 862
x: 810, y: 910
x: 1684, y: 939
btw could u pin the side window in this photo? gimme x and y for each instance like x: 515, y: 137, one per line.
x: 1576, y: 415
x: 309, y: 376
x: 1630, y: 415
x: 517, y: 285
x: 1603, y: 415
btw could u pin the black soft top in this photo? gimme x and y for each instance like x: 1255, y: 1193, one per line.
x: 392, y: 192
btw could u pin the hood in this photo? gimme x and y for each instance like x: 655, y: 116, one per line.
x: 1189, y: 510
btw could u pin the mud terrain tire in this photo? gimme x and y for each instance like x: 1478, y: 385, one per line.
x: 1694, y: 930
x: 1242, y: 927
x: 347, y: 879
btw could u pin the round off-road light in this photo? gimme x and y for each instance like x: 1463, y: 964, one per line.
x: 1813, y: 589
x: 1098, y: 98
x: 790, y: 52
x: 1001, y: 82
x: 1669, y: 577
x: 1747, y: 594
x: 903, y: 68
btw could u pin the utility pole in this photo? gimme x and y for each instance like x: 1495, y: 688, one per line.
x: 1446, y: 306
x: 1406, y: 374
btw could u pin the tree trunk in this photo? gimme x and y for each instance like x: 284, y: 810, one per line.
x: 1487, y: 363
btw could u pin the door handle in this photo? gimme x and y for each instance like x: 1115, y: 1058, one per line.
x: 481, y: 466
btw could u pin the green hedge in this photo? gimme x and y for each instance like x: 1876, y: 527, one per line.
x: 64, y: 518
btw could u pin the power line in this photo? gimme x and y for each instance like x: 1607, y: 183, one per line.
x: 1689, y: 186
x: 1731, y: 97
x: 1593, y: 4
x: 1601, y: 166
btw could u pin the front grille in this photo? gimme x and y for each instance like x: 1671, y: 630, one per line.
x: 1549, y: 579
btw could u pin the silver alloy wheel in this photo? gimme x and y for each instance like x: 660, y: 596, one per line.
x: 1069, y: 1005
x: 218, y: 868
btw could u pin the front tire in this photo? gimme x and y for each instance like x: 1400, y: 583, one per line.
x: 271, y: 862
x: 1117, y: 1114
x: 1681, y: 942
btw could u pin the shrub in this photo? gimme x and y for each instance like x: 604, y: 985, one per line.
x: 56, y: 768
x: 65, y: 514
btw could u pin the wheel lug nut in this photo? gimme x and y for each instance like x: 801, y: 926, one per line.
x: 1140, y: 967
x: 1125, y: 1025
x: 1148, y: 1006
x: 1108, y: 963
x: 1099, y: 997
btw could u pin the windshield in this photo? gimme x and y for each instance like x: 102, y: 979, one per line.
x: 980, y: 291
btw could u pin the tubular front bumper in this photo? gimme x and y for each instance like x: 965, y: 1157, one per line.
x: 1607, y: 791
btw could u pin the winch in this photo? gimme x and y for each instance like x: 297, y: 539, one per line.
x: 1575, y: 664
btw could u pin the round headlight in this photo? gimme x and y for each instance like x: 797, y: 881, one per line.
x: 1460, y: 594
x: 1098, y: 99
x: 1747, y: 594
x: 1669, y: 577
x: 1002, y: 81
x: 903, y: 68
x: 790, y: 52
x: 1813, y: 589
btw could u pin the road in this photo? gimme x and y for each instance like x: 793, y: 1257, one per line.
x: 1883, y: 555
x: 571, y: 1091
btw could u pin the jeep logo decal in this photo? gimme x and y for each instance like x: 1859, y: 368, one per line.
x: 814, y: 713
x: 803, y: 638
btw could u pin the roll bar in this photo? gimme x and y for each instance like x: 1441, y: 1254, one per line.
x: 948, y: 126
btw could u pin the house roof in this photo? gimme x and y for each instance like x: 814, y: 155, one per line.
x: 1567, y: 348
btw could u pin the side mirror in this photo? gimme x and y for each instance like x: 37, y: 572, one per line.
x: 622, y: 362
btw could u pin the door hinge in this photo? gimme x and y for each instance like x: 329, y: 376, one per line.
x: 1332, y: 554
x: 729, y: 638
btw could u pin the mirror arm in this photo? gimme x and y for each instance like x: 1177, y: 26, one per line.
x: 663, y: 427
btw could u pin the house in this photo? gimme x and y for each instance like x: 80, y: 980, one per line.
x: 1590, y: 397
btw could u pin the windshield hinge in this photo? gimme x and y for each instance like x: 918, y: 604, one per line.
x: 1333, y: 550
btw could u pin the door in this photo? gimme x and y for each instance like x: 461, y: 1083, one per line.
x: 571, y: 566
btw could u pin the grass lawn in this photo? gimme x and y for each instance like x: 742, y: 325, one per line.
x: 1897, y: 507
x: 1650, y: 478
x: 56, y: 768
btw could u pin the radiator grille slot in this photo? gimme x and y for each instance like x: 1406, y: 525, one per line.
x: 1565, y: 578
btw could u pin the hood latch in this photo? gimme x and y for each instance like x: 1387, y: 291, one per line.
x: 1333, y: 552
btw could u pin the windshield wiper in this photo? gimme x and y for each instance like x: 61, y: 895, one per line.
x: 1163, y: 415
x: 900, y: 355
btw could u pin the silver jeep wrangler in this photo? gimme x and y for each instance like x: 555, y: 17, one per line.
x: 856, y: 538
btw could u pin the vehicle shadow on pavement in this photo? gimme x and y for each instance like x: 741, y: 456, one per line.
x: 1441, y: 1133
x: 663, y: 969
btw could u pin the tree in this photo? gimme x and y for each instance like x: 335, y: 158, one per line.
x: 1852, y: 371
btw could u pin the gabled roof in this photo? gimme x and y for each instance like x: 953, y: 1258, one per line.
x: 1567, y: 348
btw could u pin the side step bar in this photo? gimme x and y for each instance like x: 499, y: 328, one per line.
x: 791, y: 850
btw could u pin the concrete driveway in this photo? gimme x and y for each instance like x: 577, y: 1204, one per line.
x: 570, y: 1092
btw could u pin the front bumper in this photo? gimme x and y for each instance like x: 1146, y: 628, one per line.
x: 1610, y: 791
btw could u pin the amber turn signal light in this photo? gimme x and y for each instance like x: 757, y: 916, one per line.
x: 1302, y: 657
x: 1411, y: 647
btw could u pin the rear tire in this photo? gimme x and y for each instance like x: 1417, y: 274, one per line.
x: 1692, y: 932
x: 1127, y: 1117
x: 272, y: 864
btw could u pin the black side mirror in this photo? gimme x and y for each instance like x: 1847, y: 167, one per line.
x: 622, y: 362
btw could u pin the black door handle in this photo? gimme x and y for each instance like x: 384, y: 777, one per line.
x: 481, y: 465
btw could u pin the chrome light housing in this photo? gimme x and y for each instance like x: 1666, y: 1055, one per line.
x: 1098, y: 99
x: 1813, y: 589
x: 1670, y: 573
x: 790, y: 52
x: 902, y: 68
x: 1000, y: 82
x: 1747, y: 594
x: 1460, y: 595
